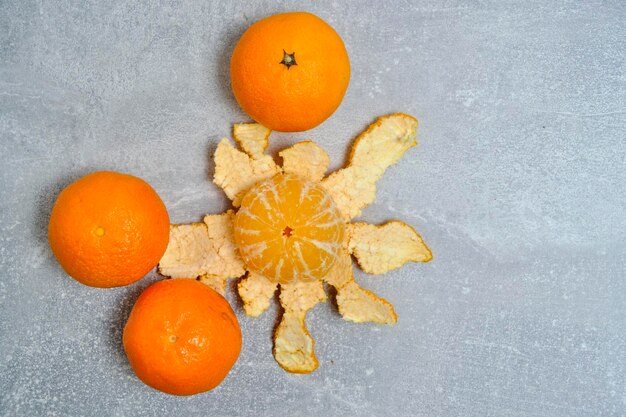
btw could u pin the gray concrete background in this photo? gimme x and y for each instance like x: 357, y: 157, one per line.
x: 518, y: 186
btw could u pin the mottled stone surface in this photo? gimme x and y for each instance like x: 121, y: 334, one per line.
x: 518, y: 186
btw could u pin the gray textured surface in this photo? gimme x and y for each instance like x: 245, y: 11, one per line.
x: 518, y: 186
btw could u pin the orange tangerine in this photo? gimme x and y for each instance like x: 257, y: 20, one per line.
x: 108, y: 229
x: 182, y: 337
x: 289, y: 229
x: 290, y: 71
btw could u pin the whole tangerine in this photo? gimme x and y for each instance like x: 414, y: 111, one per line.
x: 290, y: 71
x: 182, y: 337
x: 108, y: 229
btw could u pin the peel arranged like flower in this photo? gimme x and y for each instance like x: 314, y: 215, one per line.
x: 293, y: 230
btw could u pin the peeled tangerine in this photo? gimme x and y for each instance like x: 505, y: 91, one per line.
x: 294, y: 228
x: 288, y: 229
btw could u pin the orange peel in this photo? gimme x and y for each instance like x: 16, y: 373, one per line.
x: 256, y: 291
x: 197, y: 249
x: 305, y: 159
x: 354, y: 302
x: 380, y: 249
x: 253, y: 138
x: 293, y: 344
x: 236, y: 171
x: 380, y: 146
x: 203, y: 250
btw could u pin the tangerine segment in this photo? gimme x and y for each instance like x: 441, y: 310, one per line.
x: 288, y: 229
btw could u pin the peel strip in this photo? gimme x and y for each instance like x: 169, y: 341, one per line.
x: 354, y: 302
x: 380, y: 146
x: 204, y: 250
x: 305, y: 159
x: 253, y: 138
x: 379, y: 249
x: 293, y: 344
x: 236, y: 172
x: 256, y: 291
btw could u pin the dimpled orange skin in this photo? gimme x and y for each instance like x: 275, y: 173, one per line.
x: 182, y: 337
x: 302, y: 96
x: 288, y: 229
x: 108, y: 229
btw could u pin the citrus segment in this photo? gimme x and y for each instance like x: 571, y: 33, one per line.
x: 288, y: 229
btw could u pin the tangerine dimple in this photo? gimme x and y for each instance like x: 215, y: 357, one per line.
x: 288, y: 229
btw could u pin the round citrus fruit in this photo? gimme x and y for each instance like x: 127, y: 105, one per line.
x: 288, y: 229
x: 182, y: 337
x: 290, y: 71
x: 108, y: 229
